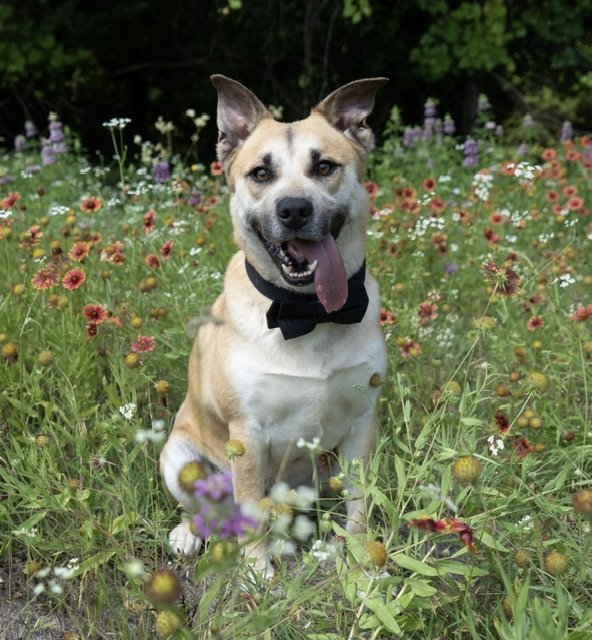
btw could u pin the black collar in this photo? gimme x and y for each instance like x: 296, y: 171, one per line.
x: 297, y: 314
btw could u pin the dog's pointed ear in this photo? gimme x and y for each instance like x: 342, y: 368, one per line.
x: 348, y: 107
x: 239, y: 112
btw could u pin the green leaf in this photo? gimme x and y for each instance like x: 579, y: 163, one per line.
x: 443, y: 567
x: 421, y: 588
x: 98, y: 560
x: 380, y: 610
x: 407, y: 562
x: 489, y: 541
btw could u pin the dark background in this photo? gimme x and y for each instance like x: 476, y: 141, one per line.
x: 90, y: 60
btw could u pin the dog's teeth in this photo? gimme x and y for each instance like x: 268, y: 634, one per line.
x: 287, y: 270
x: 312, y: 266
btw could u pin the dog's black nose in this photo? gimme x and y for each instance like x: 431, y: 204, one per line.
x: 294, y: 212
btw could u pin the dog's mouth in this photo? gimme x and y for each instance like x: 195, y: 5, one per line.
x: 301, y: 262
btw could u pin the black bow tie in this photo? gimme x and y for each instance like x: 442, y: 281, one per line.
x: 297, y: 314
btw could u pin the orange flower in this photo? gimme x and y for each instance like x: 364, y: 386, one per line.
x: 216, y: 168
x: 552, y: 195
x: 372, y: 189
x: 166, y: 250
x: 74, y: 279
x: 465, y: 533
x: 429, y: 184
x: 11, y: 199
x: 548, y: 154
x: 149, y: 221
x: 535, y: 322
x: 437, y: 205
x: 94, y: 313
x: 387, y: 318
x: 570, y: 191
x: 409, y: 348
x: 522, y: 447
x: 45, y: 278
x: 581, y: 314
x: 152, y: 261
x: 575, y: 203
x: 497, y: 218
x: 143, y: 344
x: 91, y: 204
x: 79, y: 251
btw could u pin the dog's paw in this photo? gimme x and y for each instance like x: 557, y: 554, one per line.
x: 183, y: 542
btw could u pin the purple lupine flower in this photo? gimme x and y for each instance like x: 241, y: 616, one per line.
x: 522, y: 149
x: 429, y: 115
x: 471, y: 151
x: 4, y: 180
x: 32, y: 169
x: 56, y: 134
x: 162, y: 172
x: 448, y: 127
x: 450, y: 268
x: 20, y: 143
x: 490, y: 125
x: 408, y: 137
x: 499, y: 131
x: 48, y: 155
x: 567, y: 131
x: 30, y: 129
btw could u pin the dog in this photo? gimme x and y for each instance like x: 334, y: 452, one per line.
x: 293, y: 348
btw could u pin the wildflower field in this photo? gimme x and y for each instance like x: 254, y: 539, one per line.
x: 481, y: 490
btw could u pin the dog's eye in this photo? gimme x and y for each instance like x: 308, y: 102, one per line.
x: 260, y: 174
x: 325, y: 168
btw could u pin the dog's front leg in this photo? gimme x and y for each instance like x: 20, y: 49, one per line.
x: 248, y: 478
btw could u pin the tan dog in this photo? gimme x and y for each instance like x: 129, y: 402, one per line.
x: 294, y: 339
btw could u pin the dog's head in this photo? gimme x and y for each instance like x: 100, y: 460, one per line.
x: 298, y: 202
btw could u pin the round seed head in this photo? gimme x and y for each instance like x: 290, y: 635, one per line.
x: 582, y: 501
x: 555, y: 563
x: 163, y: 587
x: 467, y: 469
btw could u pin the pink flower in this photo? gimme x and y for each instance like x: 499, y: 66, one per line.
x: 143, y: 344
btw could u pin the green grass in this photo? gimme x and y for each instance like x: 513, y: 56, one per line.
x: 77, y: 483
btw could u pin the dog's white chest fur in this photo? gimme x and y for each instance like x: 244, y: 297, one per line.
x: 307, y: 389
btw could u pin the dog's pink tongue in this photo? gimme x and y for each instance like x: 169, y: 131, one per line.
x: 330, y: 277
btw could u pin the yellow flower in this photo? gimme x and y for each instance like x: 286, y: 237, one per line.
x: 190, y: 474
x: 234, y: 449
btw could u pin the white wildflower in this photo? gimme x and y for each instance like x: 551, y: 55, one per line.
x: 495, y: 445
x: 302, y: 528
x: 117, y: 123
x: 323, y: 551
x: 282, y: 547
x: 128, y: 410
x: 565, y: 280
